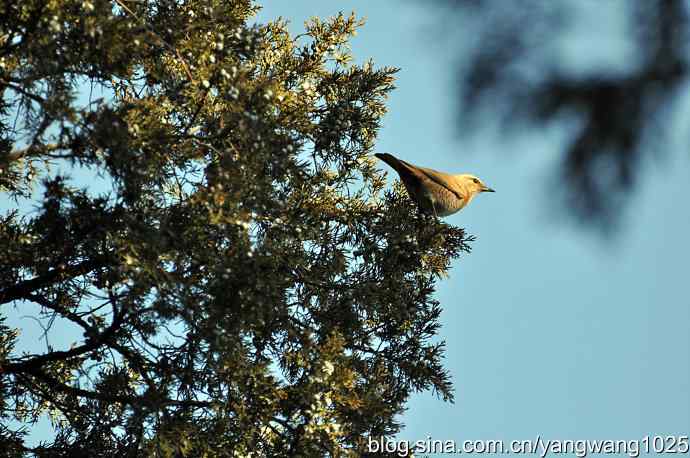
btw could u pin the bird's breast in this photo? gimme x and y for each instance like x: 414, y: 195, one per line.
x: 444, y: 201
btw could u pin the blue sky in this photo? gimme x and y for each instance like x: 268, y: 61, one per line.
x: 551, y: 330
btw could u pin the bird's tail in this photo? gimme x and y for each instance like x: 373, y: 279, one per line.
x: 393, y: 161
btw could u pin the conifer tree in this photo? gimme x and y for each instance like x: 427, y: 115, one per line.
x: 191, y: 196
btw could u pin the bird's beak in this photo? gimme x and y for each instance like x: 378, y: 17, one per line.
x: 487, y: 189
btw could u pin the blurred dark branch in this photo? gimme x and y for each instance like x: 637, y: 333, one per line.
x: 616, y: 112
x: 520, y: 75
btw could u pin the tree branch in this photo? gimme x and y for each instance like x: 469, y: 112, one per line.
x: 33, y: 149
x: 45, y: 302
x: 135, y: 401
x: 34, y: 363
x: 23, y: 290
x: 20, y: 90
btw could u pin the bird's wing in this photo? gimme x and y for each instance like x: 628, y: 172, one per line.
x: 440, y: 178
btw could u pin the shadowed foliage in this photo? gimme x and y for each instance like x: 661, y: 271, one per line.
x: 515, y: 71
x: 191, y: 201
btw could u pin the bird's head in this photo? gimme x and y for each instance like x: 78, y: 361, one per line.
x: 472, y: 184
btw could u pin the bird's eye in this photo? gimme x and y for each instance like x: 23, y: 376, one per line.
x: 476, y: 181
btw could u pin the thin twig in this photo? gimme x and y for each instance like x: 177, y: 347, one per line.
x: 166, y: 44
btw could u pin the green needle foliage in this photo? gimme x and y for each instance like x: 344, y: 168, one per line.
x: 221, y: 251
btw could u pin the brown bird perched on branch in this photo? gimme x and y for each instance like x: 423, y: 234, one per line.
x: 438, y: 193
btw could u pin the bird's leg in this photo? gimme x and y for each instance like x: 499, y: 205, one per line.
x: 433, y: 207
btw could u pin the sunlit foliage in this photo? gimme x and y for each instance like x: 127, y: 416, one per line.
x: 240, y: 283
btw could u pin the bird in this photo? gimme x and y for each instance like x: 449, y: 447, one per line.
x: 434, y: 192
